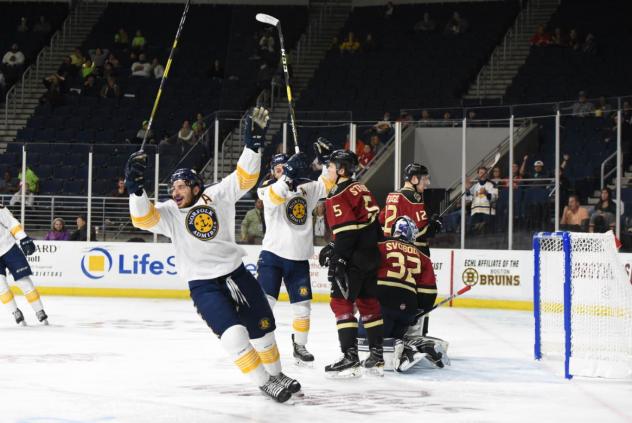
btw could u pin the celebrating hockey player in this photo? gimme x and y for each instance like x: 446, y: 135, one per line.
x: 15, y: 260
x: 353, y: 258
x: 200, y: 223
x: 403, y: 275
x: 409, y: 201
x: 289, y: 241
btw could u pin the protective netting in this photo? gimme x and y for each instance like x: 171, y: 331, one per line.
x: 600, y: 331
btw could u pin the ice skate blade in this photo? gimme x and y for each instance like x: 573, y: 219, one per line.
x: 300, y: 363
x: 45, y: 323
x: 373, y: 371
x: 352, y: 373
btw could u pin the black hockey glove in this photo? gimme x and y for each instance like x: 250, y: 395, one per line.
x: 325, y: 254
x: 27, y: 245
x: 256, y: 126
x: 296, y: 166
x: 135, y: 172
x: 434, y: 225
x: 322, y: 148
x: 338, y: 275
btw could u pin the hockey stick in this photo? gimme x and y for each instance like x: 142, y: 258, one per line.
x: 456, y: 200
x: 271, y: 20
x: 165, y: 74
x: 442, y: 302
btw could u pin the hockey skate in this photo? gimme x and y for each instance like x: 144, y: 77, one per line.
x: 374, y: 363
x: 288, y: 383
x: 275, y: 390
x: 19, y: 317
x: 433, y: 352
x: 302, y: 357
x: 409, y: 358
x: 42, y: 317
x: 347, y: 367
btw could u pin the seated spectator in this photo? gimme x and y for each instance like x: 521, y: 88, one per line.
x: 405, y: 118
x: 141, y: 67
x: 138, y: 42
x: 8, y: 184
x: 90, y: 87
x: 108, y: 71
x: 426, y: 24
x: 66, y: 69
x: 58, y: 231
x: 350, y: 45
x: 120, y: 191
x: 320, y: 226
x: 32, y: 188
x: 157, y: 68
x: 573, y: 40
x: 113, y: 61
x: 366, y: 156
x: 559, y: 39
x: 111, y: 89
x: 215, y: 71
x: 87, y: 68
x: 603, y: 109
x: 575, y: 217
x: 42, y: 26
x: 121, y: 39
x: 199, y: 126
x: 81, y: 233
x: 425, y: 119
x: 141, y: 133
x: 590, y: 45
x: 54, y: 94
x: 582, y: 107
x: 76, y: 58
x: 376, y: 144
x: 541, y: 38
x: 482, y: 195
x: 447, y: 120
x: 13, y: 62
x: 22, y: 26
x: 603, y: 216
x: 186, y: 138
x: 456, y: 25
x: 99, y: 57
x: 253, y: 225
x: 383, y: 125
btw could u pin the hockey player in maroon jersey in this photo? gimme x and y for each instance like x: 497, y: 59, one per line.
x: 353, y: 259
x: 409, y: 201
x: 403, y: 276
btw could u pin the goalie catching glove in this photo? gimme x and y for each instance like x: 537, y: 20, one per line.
x: 135, y: 172
x: 256, y: 126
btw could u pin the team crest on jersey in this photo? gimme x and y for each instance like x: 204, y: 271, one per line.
x: 303, y: 291
x: 202, y: 222
x: 264, y: 323
x: 296, y: 210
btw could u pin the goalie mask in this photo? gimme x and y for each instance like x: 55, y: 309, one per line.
x: 405, y: 229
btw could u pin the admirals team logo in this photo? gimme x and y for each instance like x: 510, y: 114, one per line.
x: 264, y: 323
x: 303, y: 291
x: 96, y: 263
x: 202, y: 222
x: 296, y: 210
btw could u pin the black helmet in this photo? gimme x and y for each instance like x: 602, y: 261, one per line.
x: 344, y: 159
x: 414, y: 169
x: 278, y: 159
x: 189, y: 176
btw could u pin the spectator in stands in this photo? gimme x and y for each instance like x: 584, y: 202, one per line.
x: 87, y: 68
x: 8, y: 184
x: 350, y: 45
x: 90, y: 87
x: 515, y: 169
x: 538, y: 171
x: 559, y: 39
x: 366, y: 156
x: 58, y: 231
x: 482, y: 195
x: 253, y: 226
x: 541, y: 38
x: 424, y: 118
x: 426, y: 24
x: 602, y: 217
x: 114, y: 62
x: 603, y: 108
x: 320, y: 226
x: 456, y: 25
x: 215, y: 71
x: 42, y: 26
x: 54, y: 91
x: 22, y: 26
x: 76, y: 58
x: 121, y: 39
x: 141, y: 133
x: 138, y: 42
x: 186, y: 138
x: 108, y: 70
x: 471, y: 119
x: 590, y: 45
x: 369, y: 44
x: 447, y: 120
x: 575, y: 217
x: 390, y: 9
x: 66, y: 69
x: 81, y: 234
x: 199, y: 126
x: 157, y: 68
x: 359, y: 145
x: 110, y: 89
x: 266, y: 42
x: 99, y: 56
x: 32, y: 188
x: 582, y: 107
x: 383, y: 125
x: 120, y: 191
x: 573, y: 40
x: 376, y: 144
x: 141, y: 67
x: 497, y: 176
x: 13, y: 63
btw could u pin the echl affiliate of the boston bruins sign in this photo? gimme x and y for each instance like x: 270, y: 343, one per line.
x: 296, y: 210
x: 202, y: 222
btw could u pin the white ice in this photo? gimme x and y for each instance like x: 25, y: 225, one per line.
x: 139, y: 360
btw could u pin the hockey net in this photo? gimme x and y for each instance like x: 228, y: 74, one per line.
x: 582, y: 304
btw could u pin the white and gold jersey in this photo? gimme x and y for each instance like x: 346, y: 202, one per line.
x: 203, y: 234
x: 10, y: 230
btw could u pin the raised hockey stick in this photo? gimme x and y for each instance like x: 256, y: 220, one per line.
x: 271, y: 20
x: 456, y: 200
x: 165, y: 74
x: 444, y: 301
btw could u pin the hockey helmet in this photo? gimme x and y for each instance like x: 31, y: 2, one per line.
x: 278, y: 159
x: 344, y: 159
x: 189, y: 176
x: 414, y: 169
x: 405, y: 229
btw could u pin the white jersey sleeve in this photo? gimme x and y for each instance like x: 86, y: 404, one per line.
x: 11, y: 230
x: 242, y: 179
x: 146, y: 215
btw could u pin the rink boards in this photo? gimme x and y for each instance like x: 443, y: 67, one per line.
x: 499, y: 278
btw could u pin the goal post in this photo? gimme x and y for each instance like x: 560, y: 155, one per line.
x: 582, y: 304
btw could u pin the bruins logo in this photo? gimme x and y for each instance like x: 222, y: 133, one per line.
x: 202, y: 222
x: 264, y: 323
x: 296, y: 210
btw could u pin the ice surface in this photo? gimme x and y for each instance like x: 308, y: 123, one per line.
x: 139, y: 360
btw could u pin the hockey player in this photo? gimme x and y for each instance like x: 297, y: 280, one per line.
x: 200, y: 223
x: 403, y: 274
x: 15, y: 260
x: 353, y: 259
x: 409, y: 201
x: 289, y: 241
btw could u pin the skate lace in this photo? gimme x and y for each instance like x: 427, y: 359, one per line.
x: 301, y: 349
x: 284, y: 380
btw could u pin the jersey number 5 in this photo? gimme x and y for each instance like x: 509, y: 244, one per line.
x: 407, y: 267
